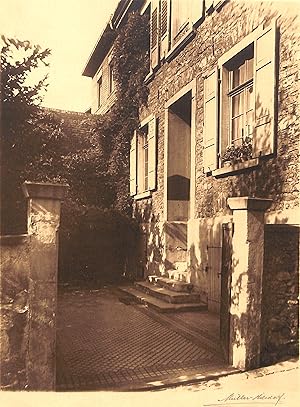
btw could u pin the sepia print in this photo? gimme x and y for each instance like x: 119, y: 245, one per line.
x: 150, y: 225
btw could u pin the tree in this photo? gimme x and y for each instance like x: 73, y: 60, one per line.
x: 23, y: 133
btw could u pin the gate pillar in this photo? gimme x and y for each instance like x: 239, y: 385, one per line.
x: 246, y: 286
x: 44, y: 202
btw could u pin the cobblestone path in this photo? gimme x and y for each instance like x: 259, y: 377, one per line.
x: 102, y: 343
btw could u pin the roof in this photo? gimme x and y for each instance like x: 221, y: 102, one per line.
x: 108, y: 36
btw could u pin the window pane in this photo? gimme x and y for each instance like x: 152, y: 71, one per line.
x: 239, y: 75
x: 249, y: 98
x: 249, y: 69
x: 237, y: 129
x: 236, y: 78
x: 237, y: 104
x: 249, y: 123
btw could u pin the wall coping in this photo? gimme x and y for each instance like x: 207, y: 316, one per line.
x: 13, y: 240
x: 249, y: 203
x: 44, y: 190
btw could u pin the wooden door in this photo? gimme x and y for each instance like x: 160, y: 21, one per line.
x: 214, y: 251
x: 226, y: 270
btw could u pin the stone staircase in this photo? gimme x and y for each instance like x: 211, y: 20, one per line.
x: 165, y: 295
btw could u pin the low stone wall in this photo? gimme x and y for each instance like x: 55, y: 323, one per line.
x: 280, y: 305
x: 14, y: 310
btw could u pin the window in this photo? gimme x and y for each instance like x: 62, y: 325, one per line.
x: 240, y: 94
x: 180, y: 19
x: 100, y: 91
x: 142, y: 169
x: 111, y: 79
x: 143, y: 158
x: 171, y: 22
x: 239, y: 102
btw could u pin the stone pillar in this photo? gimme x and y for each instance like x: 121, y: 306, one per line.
x: 246, y: 286
x: 44, y: 201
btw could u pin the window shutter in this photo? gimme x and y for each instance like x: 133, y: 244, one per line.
x: 164, y: 27
x: 181, y: 19
x: 152, y: 154
x: 208, y: 4
x: 210, y: 129
x: 154, y: 26
x: 264, y: 83
x: 196, y: 10
x: 133, y: 171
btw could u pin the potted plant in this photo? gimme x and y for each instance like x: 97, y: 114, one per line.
x: 235, y: 154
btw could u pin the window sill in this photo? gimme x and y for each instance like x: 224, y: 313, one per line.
x: 149, y: 77
x: 180, y: 45
x: 143, y: 195
x: 173, y: 52
x: 232, y: 169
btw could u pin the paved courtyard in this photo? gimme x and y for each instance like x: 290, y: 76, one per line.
x: 104, y: 341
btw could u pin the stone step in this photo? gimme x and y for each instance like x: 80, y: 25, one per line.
x: 174, y: 285
x: 159, y: 305
x: 166, y: 294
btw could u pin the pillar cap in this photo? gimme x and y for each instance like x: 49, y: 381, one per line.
x: 44, y: 190
x: 248, y: 203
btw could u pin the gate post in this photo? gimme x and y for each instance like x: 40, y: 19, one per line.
x: 44, y: 201
x: 246, y: 286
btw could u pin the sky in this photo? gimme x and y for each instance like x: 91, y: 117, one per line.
x: 70, y: 28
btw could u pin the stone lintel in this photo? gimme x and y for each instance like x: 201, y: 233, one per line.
x: 44, y: 190
x: 249, y: 203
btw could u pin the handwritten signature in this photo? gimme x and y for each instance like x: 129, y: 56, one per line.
x: 240, y: 398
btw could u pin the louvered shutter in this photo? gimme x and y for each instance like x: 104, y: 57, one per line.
x: 210, y: 121
x: 133, y: 165
x: 264, y: 84
x: 152, y: 154
x: 154, y: 37
x: 164, y: 27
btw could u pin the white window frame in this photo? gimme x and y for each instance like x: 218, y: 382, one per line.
x: 239, y: 90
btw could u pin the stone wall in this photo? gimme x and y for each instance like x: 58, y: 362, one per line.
x: 276, y: 176
x: 280, y: 305
x: 15, y: 269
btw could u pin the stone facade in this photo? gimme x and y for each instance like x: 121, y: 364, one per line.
x: 280, y: 291
x: 192, y: 249
x: 276, y: 176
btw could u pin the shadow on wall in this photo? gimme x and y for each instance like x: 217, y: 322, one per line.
x: 280, y: 305
x: 197, y: 272
x: 154, y: 230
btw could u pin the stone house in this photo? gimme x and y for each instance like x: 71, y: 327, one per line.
x: 214, y: 172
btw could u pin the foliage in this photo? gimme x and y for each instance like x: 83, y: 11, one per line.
x: 130, y: 65
x: 90, y: 153
x: 98, y: 246
x: 23, y: 133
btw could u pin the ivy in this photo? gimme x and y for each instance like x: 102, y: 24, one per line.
x: 91, y: 155
x: 130, y: 66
